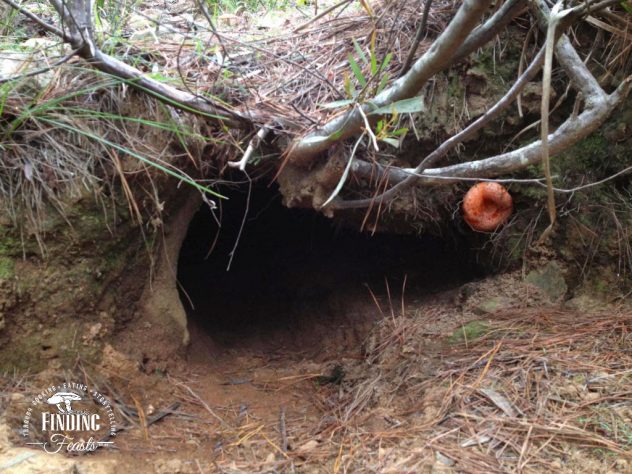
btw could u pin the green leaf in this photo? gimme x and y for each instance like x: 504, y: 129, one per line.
x: 382, y: 84
x: 391, y: 141
x: 406, y: 106
x: 373, y: 63
x: 336, y: 104
x: 349, y: 90
x: 158, y: 76
x: 386, y: 62
x: 627, y: 7
x: 320, y: 138
x: 372, y: 51
x: 5, y: 90
x: 360, y: 52
x: 357, y: 71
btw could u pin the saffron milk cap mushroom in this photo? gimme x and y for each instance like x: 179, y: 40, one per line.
x: 487, y: 206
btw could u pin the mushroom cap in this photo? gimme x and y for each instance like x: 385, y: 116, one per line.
x: 486, y: 206
x: 60, y: 397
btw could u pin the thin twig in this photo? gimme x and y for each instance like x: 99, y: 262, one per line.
x: 367, y: 128
x: 213, y: 30
x: 283, y: 430
x: 50, y: 28
x: 203, y: 403
x: 418, y: 37
x: 252, y: 146
x: 231, y: 254
x: 554, y: 19
x: 596, y: 183
x: 318, y: 17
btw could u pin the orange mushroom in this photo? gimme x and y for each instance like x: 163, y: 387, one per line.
x: 487, y: 206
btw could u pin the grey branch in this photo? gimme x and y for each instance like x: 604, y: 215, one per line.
x: 50, y: 28
x: 598, y: 108
x: 166, y: 93
x: 437, y: 58
x: 77, y: 24
x: 412, y: 175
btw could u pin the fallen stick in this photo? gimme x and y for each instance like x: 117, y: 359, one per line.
x: 322, y: 14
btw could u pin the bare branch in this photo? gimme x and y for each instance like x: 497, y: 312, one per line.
x: 553, y: 21
x: 581, y: 77
x: 486, y: 32
x: 252, y: 146
x: 166, y: 93
x: 50, y: 28
x: 421, y: 29
x: 437, y: 58
x: 76, y: 15
x: 596, y: 183
x: 322, y: 14
x: 350, y: 123
x: 411, y: 177
x: 598, y: 107
x: 77, y: 18
x: 569, y: 133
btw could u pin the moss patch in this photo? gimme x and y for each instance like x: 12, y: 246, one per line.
x: 7, y: 268
x: 550, y: 280
x: 470, y: 331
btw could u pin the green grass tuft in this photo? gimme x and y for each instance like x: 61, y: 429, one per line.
x: 468, y: 332
x: 7, y: 268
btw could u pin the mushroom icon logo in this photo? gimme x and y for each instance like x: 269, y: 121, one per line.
x: 66, y: 398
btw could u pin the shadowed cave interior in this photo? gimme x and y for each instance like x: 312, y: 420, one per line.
x: 299, y: 282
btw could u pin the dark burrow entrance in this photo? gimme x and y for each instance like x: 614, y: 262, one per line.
x: 298, y: 282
